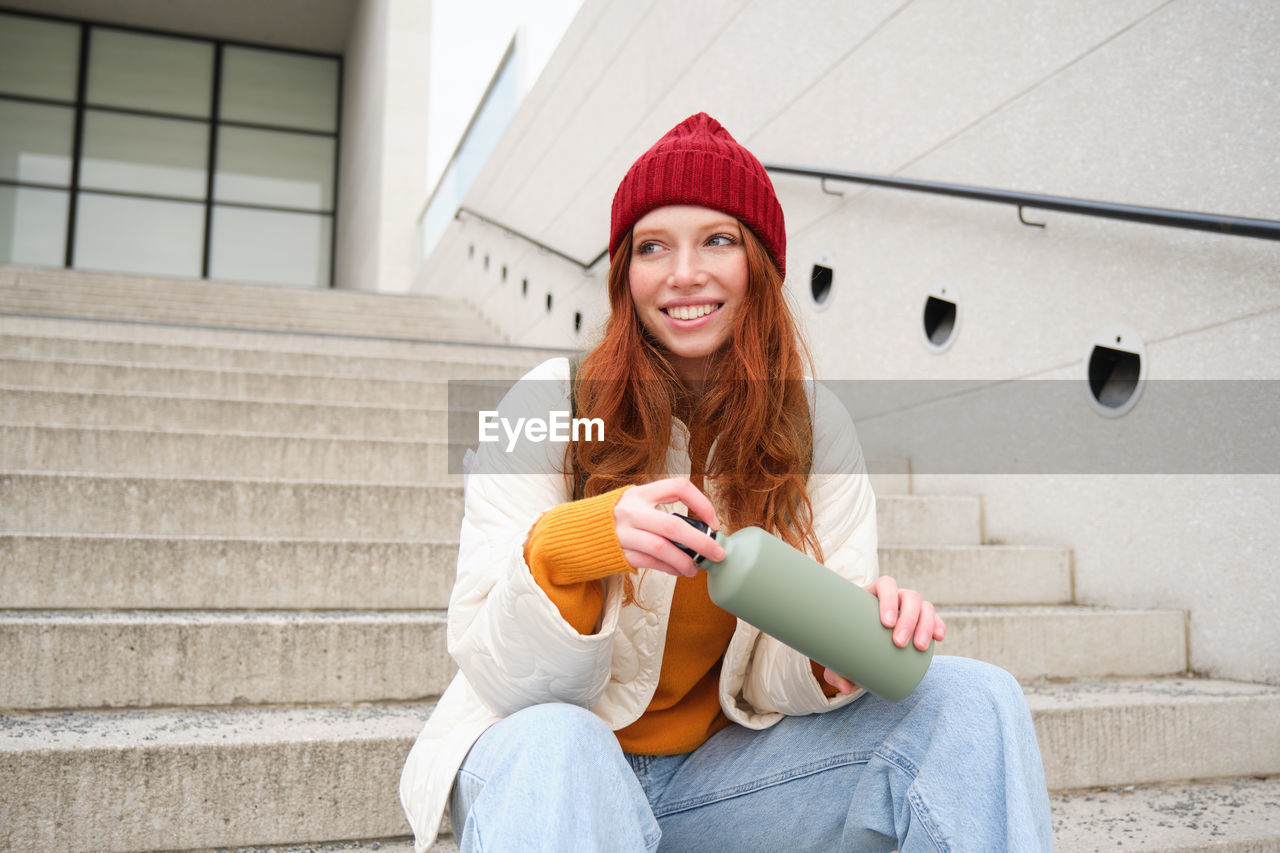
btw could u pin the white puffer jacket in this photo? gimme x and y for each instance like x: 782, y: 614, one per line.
x: 514, y: 649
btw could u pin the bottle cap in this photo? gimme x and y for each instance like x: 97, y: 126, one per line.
x: 697, y: 525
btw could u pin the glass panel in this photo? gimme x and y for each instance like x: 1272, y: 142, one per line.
x: 280, y: 89
x: 272, y: 247
x: 276, y: 169
x: 144, y: 155
x: 33, y: 226
x: 38, y: 58
x: 487, y: 126
x: 35, y: 142
x: 146, y: 72
x: 139, y: 235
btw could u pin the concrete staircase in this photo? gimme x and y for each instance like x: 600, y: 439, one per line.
x: 227, y: 539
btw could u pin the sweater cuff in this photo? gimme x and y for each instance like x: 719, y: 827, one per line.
x: 575, y: 542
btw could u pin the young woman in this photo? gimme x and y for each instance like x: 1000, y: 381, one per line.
x: 603, y: 701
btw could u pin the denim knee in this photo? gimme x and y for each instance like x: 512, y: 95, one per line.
x: 972, y: 682
x: 553, y: 734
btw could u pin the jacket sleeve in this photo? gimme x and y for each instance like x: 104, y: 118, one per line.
x: 779, y: 679
x: 506, y: 635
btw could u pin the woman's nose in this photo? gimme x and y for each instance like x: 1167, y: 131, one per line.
x: 686, y: 270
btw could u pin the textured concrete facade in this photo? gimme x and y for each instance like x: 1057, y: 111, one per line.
x: 1166, y: 103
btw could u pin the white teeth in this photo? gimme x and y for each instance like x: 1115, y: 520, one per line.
x: 690, y: 312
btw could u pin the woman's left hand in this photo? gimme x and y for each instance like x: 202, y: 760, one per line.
x: 907, y: 613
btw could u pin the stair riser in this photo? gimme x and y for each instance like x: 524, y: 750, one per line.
x: 202, y: 454
x: 174, y: 413
x: 205, y: 796
x: 981, y: 576
x: 105, y: 286
x: 50, y: 660
x: 1070, y: 644
x: 220, y: 793
x: 37, y: 503
x: 123, y: 572
x: 1136, y: 744
x: 341, y: 346
x: 147, y: 659
x: 235, y: 508
x: 141, y: 298
x: 186, y: 574
x: 426, y: 329
x: 929, y: 521
x: 298, y: 303
x: 248, y: 385
x: 516, y: 364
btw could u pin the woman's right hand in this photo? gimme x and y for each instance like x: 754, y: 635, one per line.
x: 646, y: 532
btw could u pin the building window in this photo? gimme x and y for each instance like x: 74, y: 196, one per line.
x: 133, y: 151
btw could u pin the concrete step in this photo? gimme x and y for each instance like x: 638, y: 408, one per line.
x: 106, y: 285
x: 982, y: 574
x: 177, y: 506
x: 139, y: 659
x: 137, y: 570
x: 1240, y: 815
x: 208, y: 413
x: 923, y: 520
x: 265, y: 776
x: 118, y: 450
x: 112, y: 571
x: 231, y: 777
x: 1104, y: 732
x: 460, y: 363
x: 245, y: 384
x: 143, y: 658
x: 437, y: 329
x: 197, y: 506
x: 1069, y: 642
x: 46, y: 330
x: 79, y: 294
x: 141, y: 300
x: 392, y: 845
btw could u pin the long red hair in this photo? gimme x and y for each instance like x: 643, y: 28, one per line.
x: 753, y: 407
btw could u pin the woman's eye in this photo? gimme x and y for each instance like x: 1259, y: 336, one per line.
x: 648, y: 247
x: 721, y: 240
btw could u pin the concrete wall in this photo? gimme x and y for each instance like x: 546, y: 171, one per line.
x: 384, y: 144
x: 1170, y: 103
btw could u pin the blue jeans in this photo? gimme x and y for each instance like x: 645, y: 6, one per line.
x: 953, y: 767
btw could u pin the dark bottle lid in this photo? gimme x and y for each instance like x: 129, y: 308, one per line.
x: 698, y: 525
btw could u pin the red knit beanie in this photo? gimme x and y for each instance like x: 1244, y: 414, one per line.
x: 699, y: 163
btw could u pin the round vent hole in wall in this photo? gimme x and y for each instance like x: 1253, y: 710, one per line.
x: 939, y: 320
x: 1115, y: 369
x: 820, y: 280
x: 940, y: 316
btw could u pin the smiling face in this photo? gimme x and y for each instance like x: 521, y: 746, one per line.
x: 688, y: 279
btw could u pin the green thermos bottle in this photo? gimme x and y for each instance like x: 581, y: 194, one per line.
x: 797, y: 600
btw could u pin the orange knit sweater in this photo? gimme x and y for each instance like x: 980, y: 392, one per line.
x: 569, y: 550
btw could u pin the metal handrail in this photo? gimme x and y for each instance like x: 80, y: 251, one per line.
x: 586, y: 267
x: 1239, y: 226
